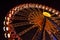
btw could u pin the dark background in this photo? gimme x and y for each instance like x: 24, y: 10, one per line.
x: 6, y: 5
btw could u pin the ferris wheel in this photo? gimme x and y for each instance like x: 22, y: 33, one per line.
x: 32, y: 22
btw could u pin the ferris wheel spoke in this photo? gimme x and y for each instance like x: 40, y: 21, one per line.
x: 37, y: 14
x: 26, y: 30
x: 52, y: 37
x: 20, y: 18
x: 44, y: 35
x: 21, y: 13
x: 33, y: 9
x: 21, y: 24
x: 41, y: 32
x: 31, y: 16
x: 57, y: 35
x: 50, y: 27
x: 51, y: 33
x: 35, y: 35
x: 54, y: 23
x: 25, y: 10
x: 39, y: 10
x: 53, y: 28
x: 30, y: 9
x: 56, y: 18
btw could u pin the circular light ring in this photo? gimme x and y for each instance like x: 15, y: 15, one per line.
x: 22, y: 6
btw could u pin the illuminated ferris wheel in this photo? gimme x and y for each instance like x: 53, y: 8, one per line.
x: 32, y: 22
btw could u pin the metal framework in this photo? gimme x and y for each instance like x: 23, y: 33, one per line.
x: 26, y: 17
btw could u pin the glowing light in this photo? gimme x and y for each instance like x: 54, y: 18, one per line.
x: 4, y: 22
x: 57, y: 13
x: 8, y: 18
x: 37, y: 6
x: 8, y: 35
x: 7, y: 23
x: 10, y: 14
x: 4, y: 28
x: 5, y: 18
x: 40, y: 6
x: 5, y: 35
x: 50, y: 9
x: 53, y: 11
x: 46, y: 14
x: 46, y: 8
x: 7, y: 28
x: 43, y: 7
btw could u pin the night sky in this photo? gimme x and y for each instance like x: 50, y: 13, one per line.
x: 6, y: 5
